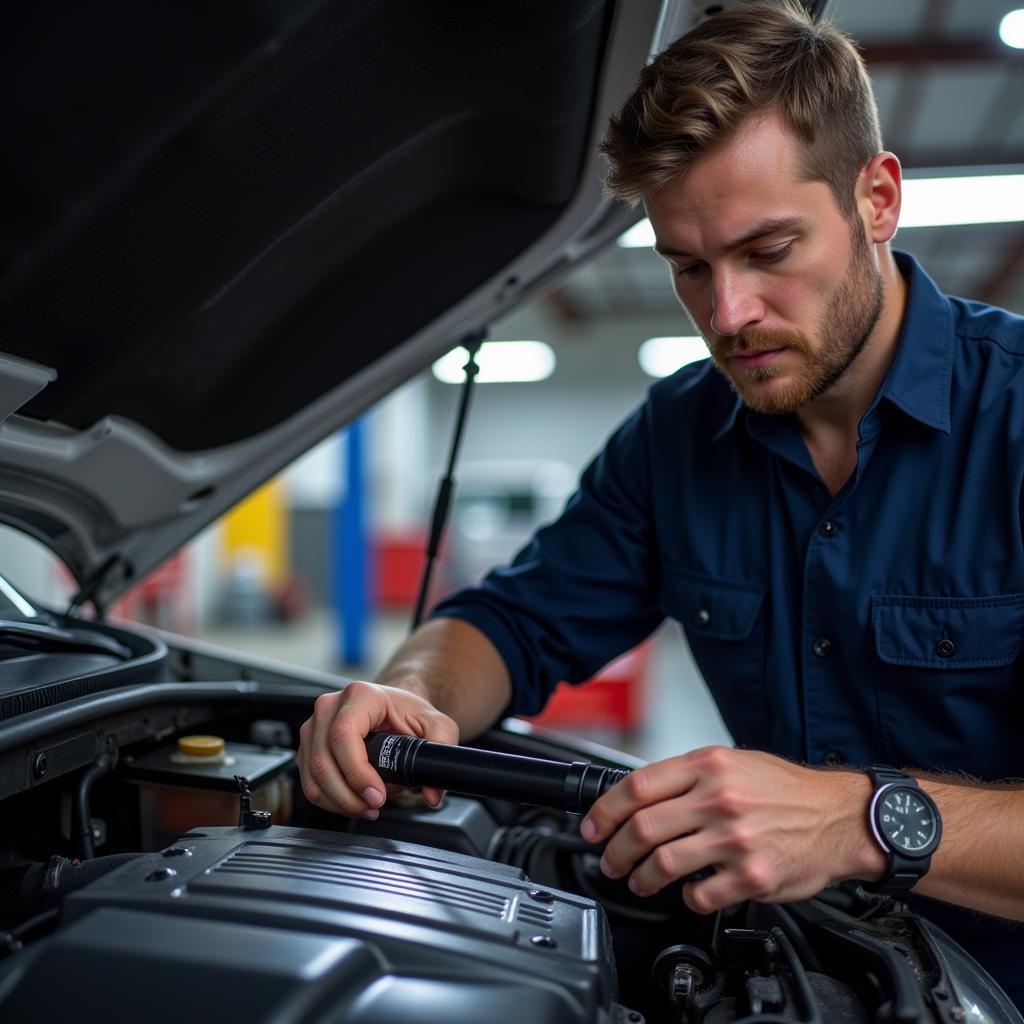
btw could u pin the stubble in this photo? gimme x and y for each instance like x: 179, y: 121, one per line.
x: 846, y: 324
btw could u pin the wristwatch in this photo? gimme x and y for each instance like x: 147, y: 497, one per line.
x: 907, y: 825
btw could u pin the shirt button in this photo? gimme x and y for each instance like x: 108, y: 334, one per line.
x: 822, y: 647
x: 945, y: 648
x: 833, y: 757
x: 828, y: 528
x: 703, y: 617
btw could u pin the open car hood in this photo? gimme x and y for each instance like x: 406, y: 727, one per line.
x: 228, y: 230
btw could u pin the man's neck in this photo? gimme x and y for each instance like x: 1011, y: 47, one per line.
x: 829, y: 423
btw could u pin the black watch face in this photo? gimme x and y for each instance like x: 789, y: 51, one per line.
x: 907, y: 822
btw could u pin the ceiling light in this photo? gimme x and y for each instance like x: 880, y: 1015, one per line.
x: 660, y: 357
x: 501, y: 362
x: 1011, y: 29
x: 975, y: 199
x: 927, y: 202
x: 639, y: 236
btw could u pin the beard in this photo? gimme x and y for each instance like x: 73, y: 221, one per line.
x: 846, y: 324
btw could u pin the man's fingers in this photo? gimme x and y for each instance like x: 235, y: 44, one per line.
x: 312, y: 792
x: 754, y: 877
x: 722, y: 889
x: 670, y: 862
x: 651, y: 784
x: 647, y: 829
x: 335, y: 769
x: 440, y: 728
x: 336, y: 741
x: 432, y: 795
x: 365, y: 711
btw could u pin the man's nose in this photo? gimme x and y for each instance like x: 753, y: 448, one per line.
x: 735, y: 304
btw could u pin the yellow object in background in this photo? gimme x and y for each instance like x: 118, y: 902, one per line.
x: 194, y: 750
x: 257, y: 529
x: 201, y: 746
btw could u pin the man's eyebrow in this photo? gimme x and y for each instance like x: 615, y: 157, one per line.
x: 762, y: 230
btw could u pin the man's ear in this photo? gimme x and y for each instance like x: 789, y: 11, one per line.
x: 879, y: 193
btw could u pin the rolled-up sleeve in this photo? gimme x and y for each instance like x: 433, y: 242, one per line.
x: 584, y: 589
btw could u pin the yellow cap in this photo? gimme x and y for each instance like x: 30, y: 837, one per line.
x: 201, y: 746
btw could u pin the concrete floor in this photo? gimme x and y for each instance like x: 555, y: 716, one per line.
x: 680, y: 714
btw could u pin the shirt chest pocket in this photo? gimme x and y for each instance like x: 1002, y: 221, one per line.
x: 948, y: 633
x: 724, y: 622
x: 947, y: 681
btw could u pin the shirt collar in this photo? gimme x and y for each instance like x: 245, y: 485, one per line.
x: 730, y: 418
x: 919, y: 379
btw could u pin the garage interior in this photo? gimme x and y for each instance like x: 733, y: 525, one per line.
x: 272, y: 579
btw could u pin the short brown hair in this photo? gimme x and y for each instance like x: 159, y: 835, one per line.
x: 760, y: 58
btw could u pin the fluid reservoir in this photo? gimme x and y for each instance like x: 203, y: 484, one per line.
x: 190, y: 782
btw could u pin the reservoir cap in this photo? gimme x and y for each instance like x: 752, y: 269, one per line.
x: 201, y: 746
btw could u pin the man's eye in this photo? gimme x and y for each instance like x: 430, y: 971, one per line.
x: 773, y: 255
x: 690, y: 270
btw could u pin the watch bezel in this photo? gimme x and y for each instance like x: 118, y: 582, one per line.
x: 889, y: 847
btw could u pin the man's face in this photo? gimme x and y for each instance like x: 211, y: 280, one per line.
x: 782, y: 285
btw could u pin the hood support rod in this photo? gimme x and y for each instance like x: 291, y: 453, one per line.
x: 91, y: 584
x: 442, y: 504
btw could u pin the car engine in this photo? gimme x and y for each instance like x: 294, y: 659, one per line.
x: 158, y: 862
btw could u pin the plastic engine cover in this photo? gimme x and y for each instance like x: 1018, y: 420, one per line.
x: 298, y: 924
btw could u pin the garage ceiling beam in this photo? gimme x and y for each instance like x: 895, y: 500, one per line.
x: 942, y: 50
x: 911, y: 96
x: 959, y: 156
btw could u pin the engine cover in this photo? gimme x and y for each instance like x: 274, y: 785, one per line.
x: 299, y: 924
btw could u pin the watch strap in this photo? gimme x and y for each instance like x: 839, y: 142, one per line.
x: 902, y: 872
x: 882, y: 775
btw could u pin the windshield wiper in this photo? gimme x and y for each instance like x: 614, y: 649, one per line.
x: 36, y: 636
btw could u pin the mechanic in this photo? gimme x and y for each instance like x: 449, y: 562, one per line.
x: 831, y: 506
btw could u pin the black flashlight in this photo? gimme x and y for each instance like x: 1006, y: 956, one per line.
x: 567, y: 786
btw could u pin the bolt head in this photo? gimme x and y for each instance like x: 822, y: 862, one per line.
x: 683, y: 984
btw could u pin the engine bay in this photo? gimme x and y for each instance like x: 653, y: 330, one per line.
x: 160, y: 877
x: 278, y: 922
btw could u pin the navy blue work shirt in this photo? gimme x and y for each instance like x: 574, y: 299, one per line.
x: 884, y: 624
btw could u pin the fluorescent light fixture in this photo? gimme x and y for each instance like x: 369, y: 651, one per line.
x: 974, y: 199
x: 501, y: 362
x: 639, y: 236
x: 1011, y: 29
x: 927, y: 202
x: 660, y: 357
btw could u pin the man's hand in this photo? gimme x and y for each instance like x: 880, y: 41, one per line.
x: 335, y: 772
x: 773, y: 831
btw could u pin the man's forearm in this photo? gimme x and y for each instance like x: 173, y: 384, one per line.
x: 457, y: 669
x: 978, y: 862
